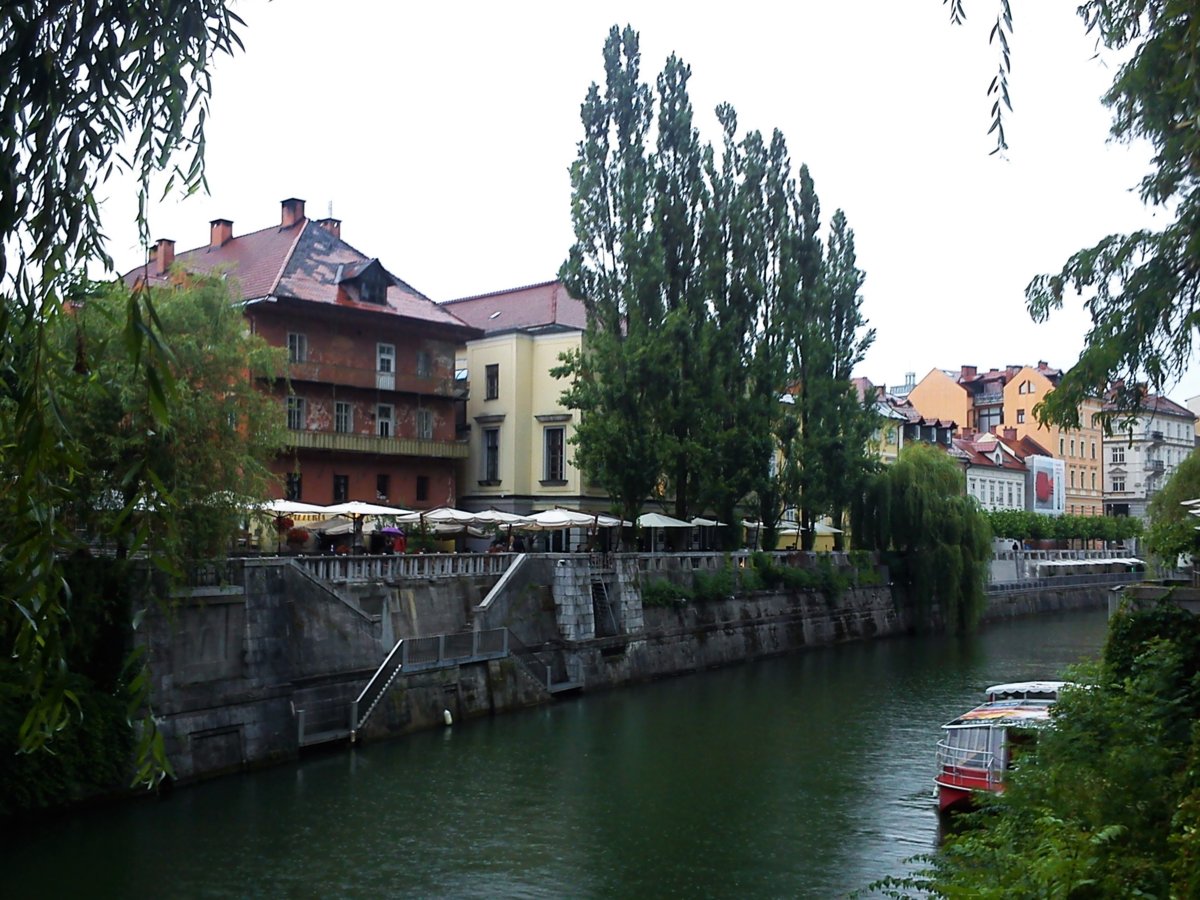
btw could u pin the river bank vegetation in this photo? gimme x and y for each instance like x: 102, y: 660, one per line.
x: 1110, y: 804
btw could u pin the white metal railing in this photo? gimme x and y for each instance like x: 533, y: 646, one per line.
x: 367, y: 568
x: 964, y: 766
x: 423, y: 653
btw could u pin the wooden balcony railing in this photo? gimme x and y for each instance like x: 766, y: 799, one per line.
x: 370, y: 443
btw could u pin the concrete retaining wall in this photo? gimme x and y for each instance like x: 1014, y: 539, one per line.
x: 235, y: 669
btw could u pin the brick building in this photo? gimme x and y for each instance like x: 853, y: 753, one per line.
x: 372, y: 400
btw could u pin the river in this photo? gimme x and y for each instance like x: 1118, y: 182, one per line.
x: 804, y: 776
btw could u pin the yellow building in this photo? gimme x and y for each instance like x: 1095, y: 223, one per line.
x: 1081, y: 450
x: 519, y: 430
x: 940, y: 395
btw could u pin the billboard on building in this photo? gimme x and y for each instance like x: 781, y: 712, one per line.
x: 1045, y: 488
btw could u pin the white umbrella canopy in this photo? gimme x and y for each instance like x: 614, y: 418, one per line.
x: 498, y: 517
x: 361, y: 508
x: 701, y: 522
x: 292, y: 507
x: 556, y: 519
x: 441, y: 515
x: 658, y: 520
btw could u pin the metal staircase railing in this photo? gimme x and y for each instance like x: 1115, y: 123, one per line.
x: 424, y: 653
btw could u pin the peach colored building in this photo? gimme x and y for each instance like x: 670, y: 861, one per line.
x: 1005, y: 398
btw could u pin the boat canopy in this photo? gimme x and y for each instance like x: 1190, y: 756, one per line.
x: 1025, y: 690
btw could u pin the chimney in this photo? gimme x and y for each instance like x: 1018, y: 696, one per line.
x: 293, y: 212
x: 968, y: 372
x: 910, y: 379
x: 220, y: 232
x: 163, y: 255
x: 1010, y: 433
x: 332, y: 225
x: 1043, y: 365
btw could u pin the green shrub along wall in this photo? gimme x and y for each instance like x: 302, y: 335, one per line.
x: 92, y: 754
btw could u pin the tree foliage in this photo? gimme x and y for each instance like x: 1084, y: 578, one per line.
x: 934, y: 538
x: 86, y: 90
x: 708, y: 295
x: 1141, y: 290
x: 1110, y: 805
x: 1022, y: 525
x: 1172, y: 528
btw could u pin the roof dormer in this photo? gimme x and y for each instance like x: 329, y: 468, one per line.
x: 365, y: 282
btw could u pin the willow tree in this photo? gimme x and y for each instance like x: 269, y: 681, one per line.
x: 87, y: 89
x: 935, y: 539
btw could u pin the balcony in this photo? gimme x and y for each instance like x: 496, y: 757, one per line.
x: 1154, y: 437
x: 1155, y: 466
x: 368, y: 377
x: 991, y: 398
x: 339, y: 442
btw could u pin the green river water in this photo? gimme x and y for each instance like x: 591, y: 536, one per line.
x: 804, y: 776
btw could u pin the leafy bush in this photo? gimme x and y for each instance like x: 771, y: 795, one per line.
x: 662, y: 592
x: 720, y: 585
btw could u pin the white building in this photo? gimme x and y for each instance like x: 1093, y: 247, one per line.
x: 1139, y: 460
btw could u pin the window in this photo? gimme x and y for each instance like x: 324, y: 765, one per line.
x: 297, y: 347
x: 891, y: 435
x: 1062, y: 444
x: 1020, y: 417
x: 1118, y: 454
x: 422, y: 487
x: 381, y: 486
x: 1093, y: 481
x: 492, y: 382
x: 292, y: 486
x: 383, y: 420
x: 425, y: 424
x: 341, y: 488
x: 1072, y: 446
x: 552, y: 468
x: 371, y: 291
x: 1072, y: 479
x: 1093, y: 449
x: 424, y: 364
x: 1010, y: 494
x: 991, y: 418
x: 295, y: 413
x: 343, y: 416
x: 1118, y: 485
x: 491, y: 454
x: 385, y: 359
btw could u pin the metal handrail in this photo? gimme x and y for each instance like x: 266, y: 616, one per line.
x: 423, y: 653
x: 961, y: 766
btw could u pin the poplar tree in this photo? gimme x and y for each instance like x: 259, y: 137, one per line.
x: 616, y: 376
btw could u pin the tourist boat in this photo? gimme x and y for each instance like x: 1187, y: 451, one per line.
x: 979, y: 746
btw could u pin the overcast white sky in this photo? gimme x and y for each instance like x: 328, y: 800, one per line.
x: 441, y: 134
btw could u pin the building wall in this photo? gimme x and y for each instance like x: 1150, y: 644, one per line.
x: 1140, y: 461
x: 996, y: 488
x: 339, y: 365
x: 528, y: 403
x: 1081, y: 450
x: 938, y: 396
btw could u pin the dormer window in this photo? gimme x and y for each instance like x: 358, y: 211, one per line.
x: 371, y: 291
x: 366, y: 282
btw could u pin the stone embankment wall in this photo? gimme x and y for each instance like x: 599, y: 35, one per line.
x: 239, y: 671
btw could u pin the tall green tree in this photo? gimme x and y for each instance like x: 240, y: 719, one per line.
x: 839, y: 425
x: 617, y: 376
x: 86, y: 90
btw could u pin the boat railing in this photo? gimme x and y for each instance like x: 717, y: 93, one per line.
x: 967, y: 767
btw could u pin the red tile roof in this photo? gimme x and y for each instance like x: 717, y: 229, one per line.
x: 530, y: 307
x: 303, y: 262
x: 980, y: 453
x: 1156, y: 403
